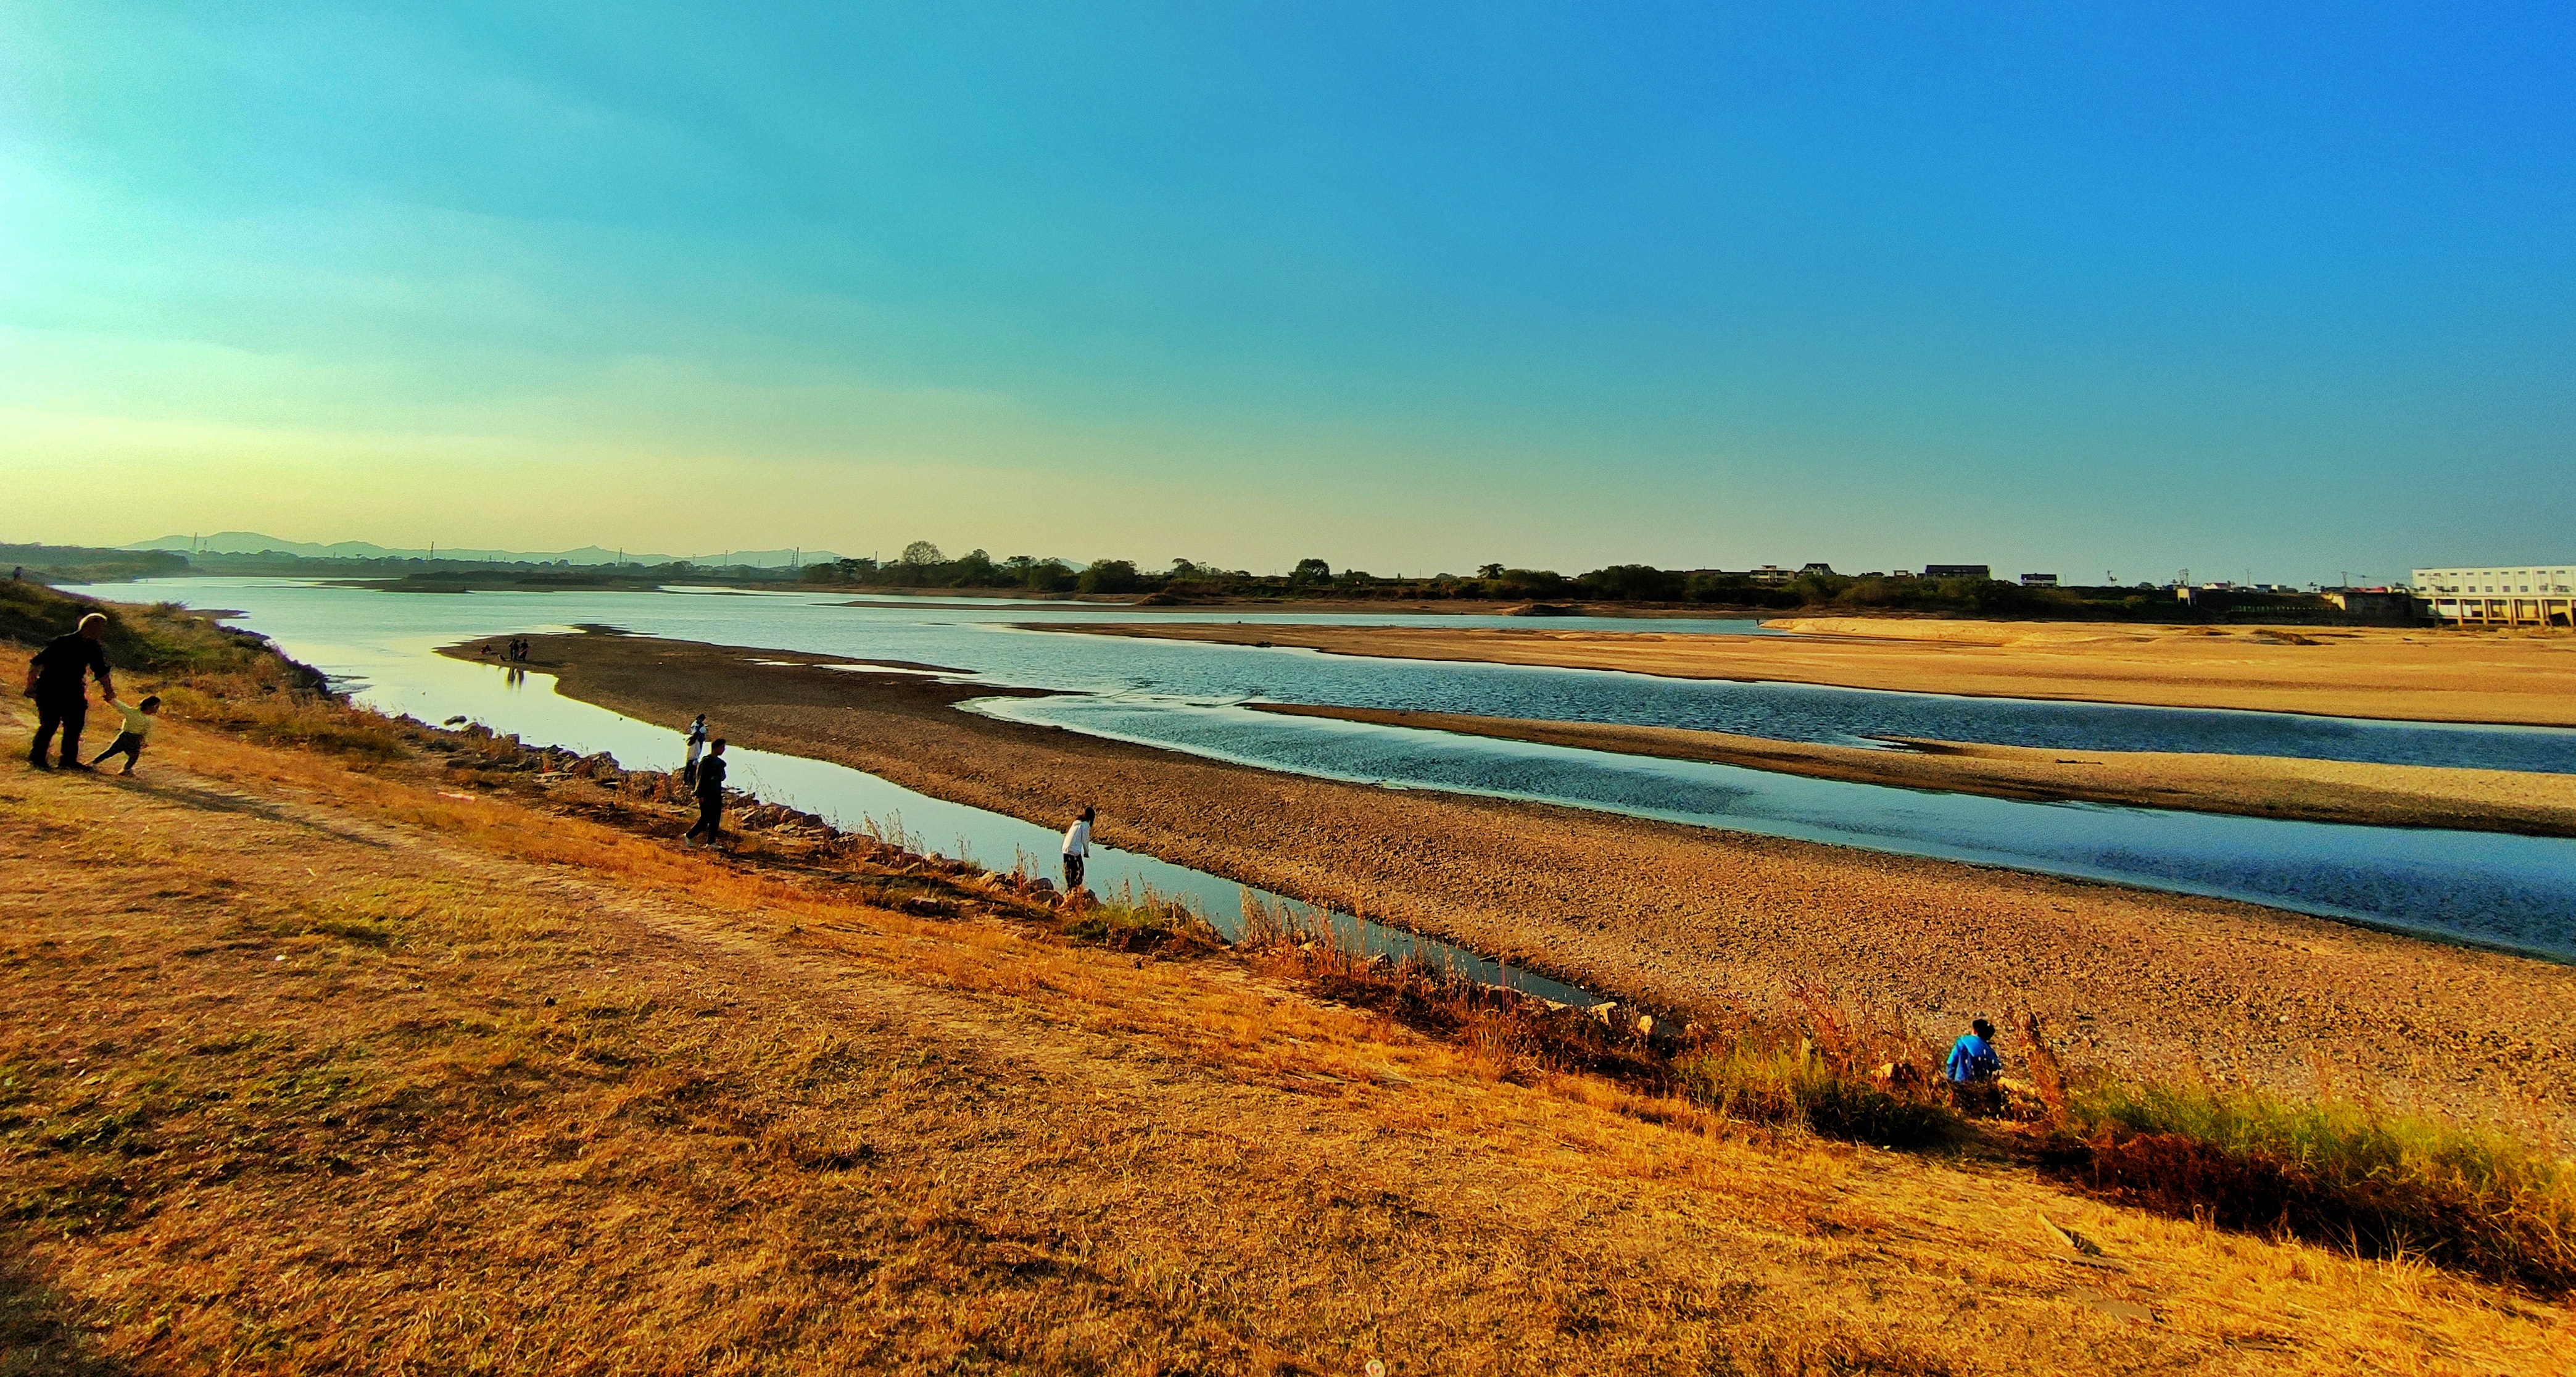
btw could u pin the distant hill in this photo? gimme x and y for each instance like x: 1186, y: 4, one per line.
x: 254, y: 543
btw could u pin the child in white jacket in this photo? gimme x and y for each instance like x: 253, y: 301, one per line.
x: 138, y: 729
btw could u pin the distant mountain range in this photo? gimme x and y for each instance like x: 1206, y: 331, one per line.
x: 253, y: 543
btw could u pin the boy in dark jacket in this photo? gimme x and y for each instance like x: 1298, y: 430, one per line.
x: 710, y: 786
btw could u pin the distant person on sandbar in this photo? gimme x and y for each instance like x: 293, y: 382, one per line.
x: 138, y: 729
x: 1972, y: 1057
x: 1077, y: 849
x: 697, y: 744
x: 710, y: 787
x: 55, y: 680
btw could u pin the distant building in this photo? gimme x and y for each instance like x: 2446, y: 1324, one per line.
x: 1958, y: 571
x: 1769, y: 573
x: 1822, y: 570
x: 2519, y: 595
x: 2039, y: 580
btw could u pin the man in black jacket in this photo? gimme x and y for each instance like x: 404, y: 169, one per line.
x: 54, y: 680
x: 711, y: 773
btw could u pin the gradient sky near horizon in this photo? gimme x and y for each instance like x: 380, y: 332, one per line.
x: 2063, y: 287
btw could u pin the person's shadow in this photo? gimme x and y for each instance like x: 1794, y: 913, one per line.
x: 207, y: 799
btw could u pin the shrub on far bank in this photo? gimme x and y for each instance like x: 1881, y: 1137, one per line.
x: 1109, y: 576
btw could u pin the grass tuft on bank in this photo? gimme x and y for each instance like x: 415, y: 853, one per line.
x: 1766, y: 1078
x: 2367, y: 1180
x: 1133, y: 920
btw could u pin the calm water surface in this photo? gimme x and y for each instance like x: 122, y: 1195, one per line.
x: 2515, y: 892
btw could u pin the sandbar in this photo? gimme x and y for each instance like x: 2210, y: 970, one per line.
x: 2421, y: 675
x: 2251, y: 785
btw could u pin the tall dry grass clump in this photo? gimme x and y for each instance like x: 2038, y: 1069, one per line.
x: 1139, y: 919
x: 2356, y: 1177
x: 1522, y: 1037
x: 1840, y: 1072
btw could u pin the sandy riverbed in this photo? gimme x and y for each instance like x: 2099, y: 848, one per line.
x: 2409, y: 675
x: 1678, y: 915
x: 2256, y: 786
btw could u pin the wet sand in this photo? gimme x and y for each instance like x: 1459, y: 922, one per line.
x: 1671, y: 915
x: 2406, y: 675
x: 2254, y: 786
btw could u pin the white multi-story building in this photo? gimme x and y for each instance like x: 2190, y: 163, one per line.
x: 2516, y: 595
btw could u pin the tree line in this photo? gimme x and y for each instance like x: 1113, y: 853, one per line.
x: 922, y: 565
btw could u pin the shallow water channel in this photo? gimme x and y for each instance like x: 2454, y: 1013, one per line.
x: 2513, y: 892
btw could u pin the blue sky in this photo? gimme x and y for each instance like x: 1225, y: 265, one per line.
x: 2062, y: 287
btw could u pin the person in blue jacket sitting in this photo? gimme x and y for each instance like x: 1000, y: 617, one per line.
x: 1972, y: 1057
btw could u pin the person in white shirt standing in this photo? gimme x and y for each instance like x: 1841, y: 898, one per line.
x: 1077, y: 849
x: 697, y: 743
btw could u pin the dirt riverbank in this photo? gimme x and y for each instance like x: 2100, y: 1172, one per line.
x: 2407, y: 675
x: 1673, y: 915
x: 2254, y: 786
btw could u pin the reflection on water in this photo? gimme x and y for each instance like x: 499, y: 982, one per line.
x: 2512, y: 891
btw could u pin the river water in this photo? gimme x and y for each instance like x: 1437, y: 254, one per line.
x: 2513, y: 892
